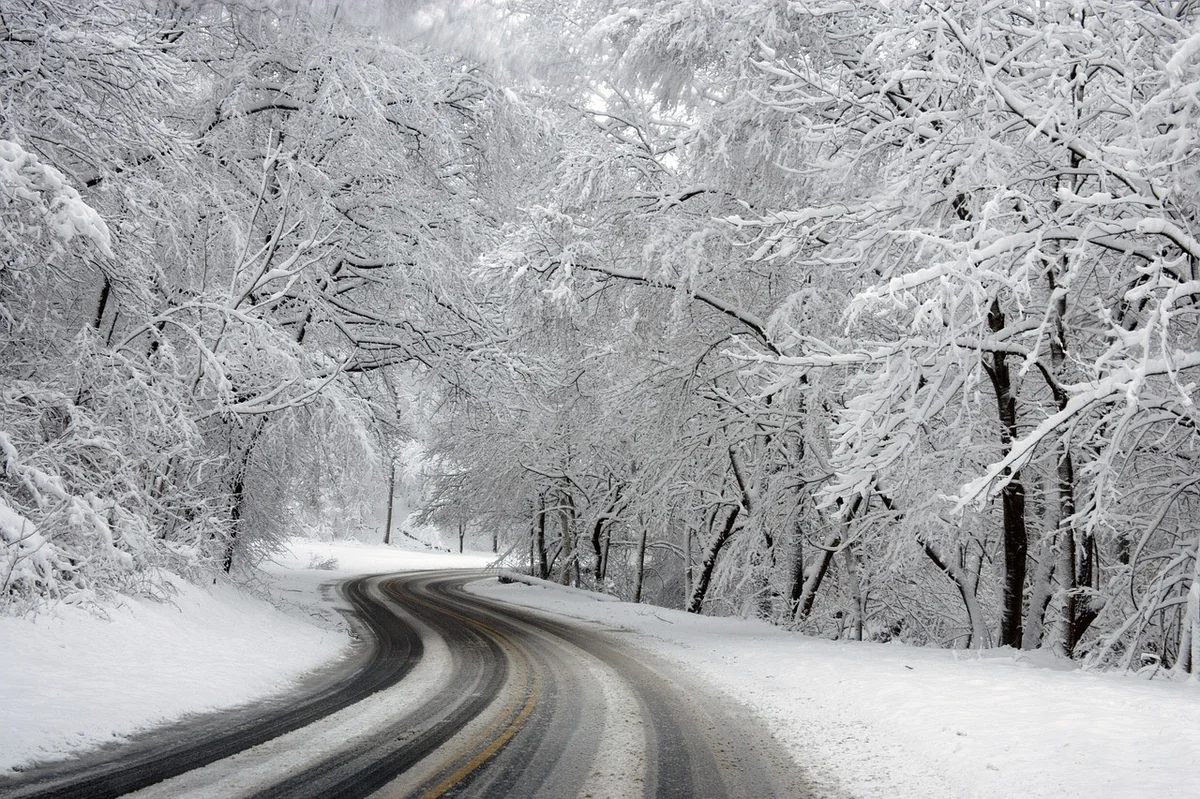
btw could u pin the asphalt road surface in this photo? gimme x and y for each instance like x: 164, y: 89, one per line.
x: 452, y: 694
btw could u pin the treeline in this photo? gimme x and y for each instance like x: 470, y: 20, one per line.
x: 878, y: 320
x: 227, y: 230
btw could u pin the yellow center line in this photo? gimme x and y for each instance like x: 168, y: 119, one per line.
x: 495, y: 746
x: 512, y: 728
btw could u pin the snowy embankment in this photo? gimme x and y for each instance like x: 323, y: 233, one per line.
x: 70, y: 681
x: 888, y: 720
x: 871, y: 720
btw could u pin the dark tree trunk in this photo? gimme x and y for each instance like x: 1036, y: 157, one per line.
x: 102, y: 305
x: 597, y: 551
x: 710, y: 560
x: 237, y: 491
x: 387, y: 532
x: 1015, y: 553
x: 797, y: 579
x: 808, y: 584
x: 812, y: 583
x: 540, y: 538
x: 1012, y: 496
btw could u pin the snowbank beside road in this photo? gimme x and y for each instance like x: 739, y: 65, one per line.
x: 887, y: 720
x: 70, y: 681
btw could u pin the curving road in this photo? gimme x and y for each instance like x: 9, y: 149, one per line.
x: 458, y: 696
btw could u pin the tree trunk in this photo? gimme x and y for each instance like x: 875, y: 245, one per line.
x: 687, y: 563
x: 1041, y: 591
x: 605, y: 551
x: 566, y: 520
x: 979, y: 634
x: 640, y: 571
x: 1076, y: 566
x: 1015, y: 553
x: 102, y: 304
x: 237, y: 491
x: 857, y: 597
x: 597, y: 551
x: 387, y: 530
x: 599, y: 539
x: 809, y: 583
x: 1189, y: 632
x: 540, y: 538
x: 812, y: 582
x: 710, y: 560
x: 796, y: 588
x: 1012, y: 496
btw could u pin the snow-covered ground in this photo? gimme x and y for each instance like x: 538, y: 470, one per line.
x: 70, y: 680
x: 873, y: 720
x: 888, y: 720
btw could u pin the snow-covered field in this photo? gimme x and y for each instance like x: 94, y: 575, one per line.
x: 874, y: 720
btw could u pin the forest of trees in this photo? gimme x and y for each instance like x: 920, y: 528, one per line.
x: 876, y: 320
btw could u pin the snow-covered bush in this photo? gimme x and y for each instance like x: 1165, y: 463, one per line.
x: 322, y: 562
x: 102, y: 481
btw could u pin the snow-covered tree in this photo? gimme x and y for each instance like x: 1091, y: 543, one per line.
x: 1019, y: 234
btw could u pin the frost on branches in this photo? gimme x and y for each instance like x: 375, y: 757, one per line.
x: 72, y: 490
x: 877, y: 320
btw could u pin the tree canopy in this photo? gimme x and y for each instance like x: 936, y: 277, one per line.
x: 874, y: 319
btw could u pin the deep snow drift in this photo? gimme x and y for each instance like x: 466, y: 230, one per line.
x: 869, y: 719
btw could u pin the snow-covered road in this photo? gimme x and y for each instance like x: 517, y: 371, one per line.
x: 452, y: 693
x: 868, y: 719
x: 887, y: 720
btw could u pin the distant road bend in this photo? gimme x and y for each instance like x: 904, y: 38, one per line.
x: 460, y: 696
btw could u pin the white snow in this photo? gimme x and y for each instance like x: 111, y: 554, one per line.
x: 24, y: 177
x: 70, y: 680
x: 871, y: 720
x: 887, y: 720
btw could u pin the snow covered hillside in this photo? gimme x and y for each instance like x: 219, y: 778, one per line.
x: 71, y: 681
